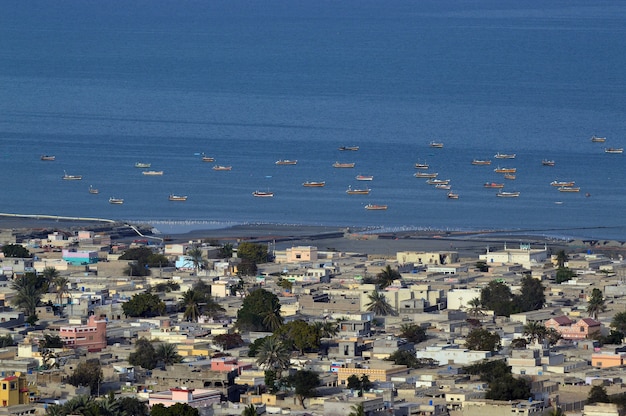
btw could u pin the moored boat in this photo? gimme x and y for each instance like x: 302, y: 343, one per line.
x: 142, y: 165
x: 220, y: 167
x: 598, y: 139
x: 509, y: 176
x: 505, y: 155
x: 181, y: 198
x: 453, y: 195
x: 49, y: 158
x: 67, y: 177
x: 481, y: 162
x: 614, y: 150
x: 208, y: 159
x: 505, y: 170
x: 493, y: 185
x: 352, y: 148
x: 437, y: 145
x: 364, y: 191
x: 438, y: 181
x: 562, y: 183
x: 152, y: 172
x: 261, y: 194
x: 116, y: 201
x: 374, y: 207
x: 93, y: 190
x: 569, y: 189
x: 425, y: 174
x: 443, y: 186
x: 312, y: 184
x: 547, y: 162
x: 364, y: 177
x: 286, y: 162
x: 343, y: 165
x: 503, y: 194
x: 421, y: 166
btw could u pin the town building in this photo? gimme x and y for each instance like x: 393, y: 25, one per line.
x: 196, y: 398
x: 13, y: 389
x: 584, y: 328
x: 92, y: 335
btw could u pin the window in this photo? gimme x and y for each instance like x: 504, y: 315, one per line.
x: 4, y: 386
x: 13, y: 386
x: 582, y: 329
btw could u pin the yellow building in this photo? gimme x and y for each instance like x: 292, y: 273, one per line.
x: 13, y: 390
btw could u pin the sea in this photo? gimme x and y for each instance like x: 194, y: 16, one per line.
x: 102, y: 85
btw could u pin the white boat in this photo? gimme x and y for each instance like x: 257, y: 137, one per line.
x: 421, y: 166
x: 152, y: 172
x: 261, y: 194
x: 425, y: 174
x: 504, y: 155
x: 374, y: 207
x: 207, y: 158
x: 505, y: 170
x: 67, y: 177
x: 116, y: 201
x: 286, y: 162
x: 481, y: 162
x: 364, y: 191
x: 548, y: 162
x: 180, y: 198
x: 614, y: 150
x: 364, y: 178
x: 437, y: 145
x: 49, y: 158
x: 93, y: 190
x: 142, y: 165
x: 438, y: 181
x: 443, y: 186
x: 453, y: 195
x: 219, y: 167
x: 598, y: 139
x: 352, y: 148
x: 312, y: 184
x: 569, y: 189
x: 503, y: 194
x: 562, y: 183
x: 343, y: 165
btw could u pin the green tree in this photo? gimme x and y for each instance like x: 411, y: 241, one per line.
x: 497, y: 296
x: 552, y: 336
x: 532, y: 295
x: 509, y: 388
x: 157, y: 260
x: 598, y: 394
x: 16, y: 251
x: 228, y: 341
x: 274, y: 355
x: 144, y: 305
x: 6, y: 341
x: 519, y: 343
x: 28, y: 291
x: 360, y: 384
x: 260, y: 311
x: 357, y: 410
x: 413, y: 333
x: 489, y: 371
x: 196, y: 256
x: 408, y: 358
x: 178, y: 409
x: 133, y: 407
x: 535, y: 331
x: 387, y: 276
x: 255, y: 346
x: 563, y: 274
x: 256, y: 253
x: 250, y: 410
x: 144, y: 355
x: 596, y: 303
x: 304, y: 382
x: 475, y: 309
x: 480, y: 339
x: 619, y: 322
x: 379, y: 305
x: 140, y: 257
x: 226, y: 251
x: 482, y: 267
x: 247, y: 267
x: 300, y: 335
x: 50, y: 341
x: 87, y: 373
x: 561, y: 259
x: 270, y: 380
x: 164, y: 287
x: 556, y: 411
x: 167, y: 354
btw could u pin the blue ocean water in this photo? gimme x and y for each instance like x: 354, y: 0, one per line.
x: 102, y: 85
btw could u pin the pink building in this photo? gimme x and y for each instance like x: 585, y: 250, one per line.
x: 193, y: 397
x: 92, y: 336
x: 582, y: 329
x: 228, y: 364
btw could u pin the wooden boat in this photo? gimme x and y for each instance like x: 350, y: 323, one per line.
x: 181, y: 198
x: 546, y: 162
x: 481, y: 162
x: 505, y: 170
x: 562, y: 183
x: 505, y: 155
x: 421, y: 166
x: 49, y: 158
x: 443, y: 186
x: 493, y: 185
x: 595, y: 139
x: 374, y: 207
x: 286, y: 162
x: 437, y: 145
x: 352, y: 148
x: 364, y: 191
x: 93, y: 190
x: 67, y: 177
x: 208, y: 159
x: 310, y: 184
x: 364, y: 178
x: 425, y: 174
x: 503, y: 194
x: 343, y: 165
x: 220, y: 167
x: 261, y: 194
x: 569, y: 189
x: 509, y: 176
x: 152, y: 172
x: 116, y: 201
x: 438, y: 181
x: 614, y: 150
x: 142, y: 165
x: 453, y: 195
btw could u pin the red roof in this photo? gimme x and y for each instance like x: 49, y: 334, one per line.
x: 10, y: 378
x: 590, y: 322
x: 563, y: 320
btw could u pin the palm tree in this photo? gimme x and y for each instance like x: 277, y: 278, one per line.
x: 535, y: 330
x: 596, y: 304
x: 274, y: 355
x: 619, y: 322
x: 379, y: 305
x: 191, y: 302
x: 168, y: 354
x: 561, y: 258
x: 357, y: 410
x: 556, y: 411
x: 28, y: 292
x: 476, y: 308
x: 50, y: 273
x: 249, y: 411
x: 273, y: 319
x: 59, y: 283
x: 387, y: 276
x: 196, y: 256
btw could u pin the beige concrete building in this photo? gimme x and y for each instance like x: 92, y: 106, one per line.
x: 524, y: 255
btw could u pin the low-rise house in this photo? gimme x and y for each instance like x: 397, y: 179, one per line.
x: 607, y: 359
x: 339, y: 406
x: 524, y: 255
x: 13, y: 389
x: 196, y: 398
x: 92, y: 335
x: 584, y: 328
x: 80, y: 257
x: 452, y: 354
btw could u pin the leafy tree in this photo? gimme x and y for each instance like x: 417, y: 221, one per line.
x: 157, y: 260
x: 519, y: 343
x: 228, y: 341
x: 196, y: 256
x: 247, y: 267
x: 28, y: 292
x: 475, y: 308
x: 552, y: 336
x: 561, y: 259
x: 379, y: 305
x: 563, y: 274
x: 596, y: 303
x: 59, y: 284
x: 87, y: 373
x: 614, y: 337
x: 413, y: 333
x: 165, y: 287
x: 535, y: 331
x: 255, y: 346
x: 285, y: 284
x: 144, y: 355
x: 482, y: 340
x: 226, y: 251
x: 556, y: 411
x: 387, y: 276
x: 178, y: 409
x: 482, y: 267
x: 304, y: 383
x: 497, y: 297
x: 270, y: 380
x: 274, y: 355
x: 408, y: 358
x: 598, y: 394
x: 299, y: 334
x: 141, y: 257
x: 509, y: 388
x: 144, y: 305
x: 50, y: 341
x: 16, y: 251
x: 257, y: 253
x: 357, y: 410
x: 167, y: 354
x: 6, y: 341
x: 133, y: 407
x: 361, y: 384
x: 619, y: 322
x: 489, y: 371
x: 260, y: 311
x: 532, y: 295
x: 250, y: 410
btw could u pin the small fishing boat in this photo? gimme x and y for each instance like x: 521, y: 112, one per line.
x: 220, y: 167
x: 493, y: 185
x: 505, y: 155
x: 436, y: 145
x: 443, y: 186
x: 208, y: 159
x: 505, y: 170
x: 374, y: 207
x: 364, y: 191
x: 546, y: 162
x: 364, y: 178
x: 352, y: 148
x: 562, y: 183
x: 311, y: 184
x: 142, y: 165
x: 481, y: 162
x: 49, y: 158
x: 503, y: 194
x: 569, y: 189
x: 343, y: 165
x: 116, y: 201
x: 438, y: 181
x: 421, y: 166
x: 152, y: 172
x: 425, y: 174
x: 180, y: 198
x: 93, y: 190
x: 509, y: 176
x: 595, y: 139
x: 286, y: 162
x: 453, y: 195
x: 614, y: 150
x: 67, y: 177
x: 261, y: 194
